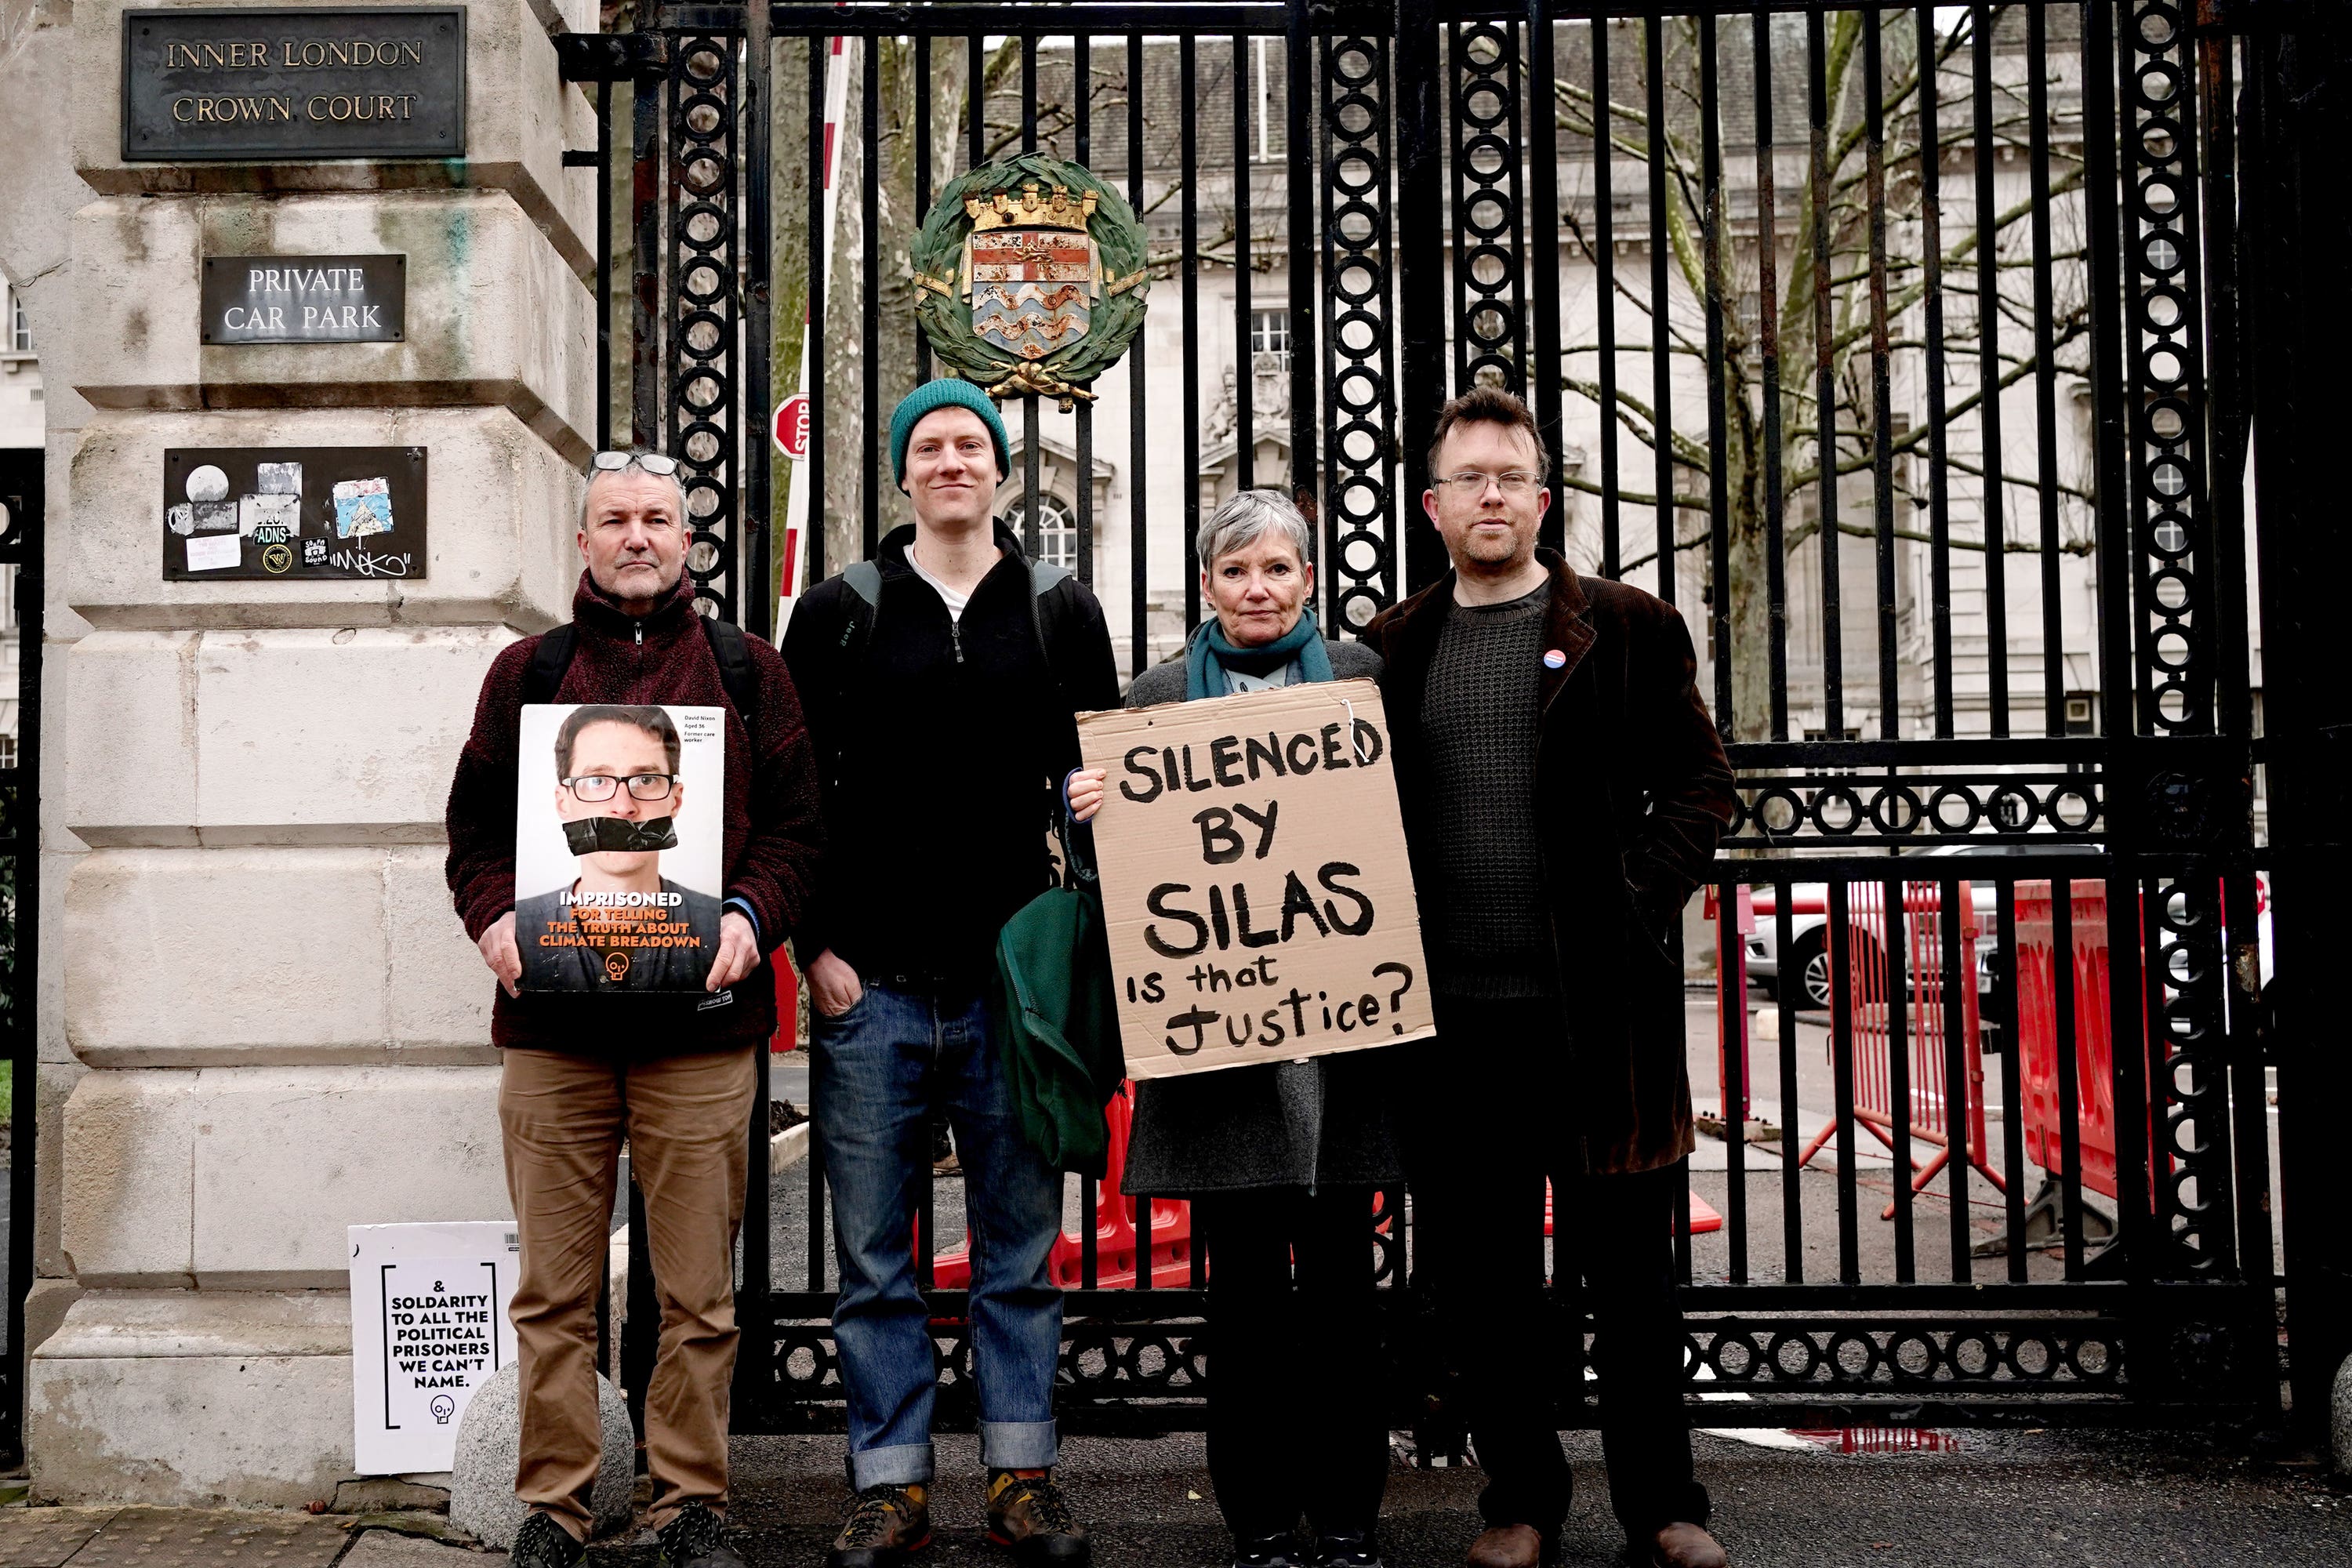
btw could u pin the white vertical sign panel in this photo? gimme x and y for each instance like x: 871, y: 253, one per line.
x: 428, y: 1327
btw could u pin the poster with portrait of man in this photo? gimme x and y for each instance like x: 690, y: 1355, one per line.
x: 619, y: 832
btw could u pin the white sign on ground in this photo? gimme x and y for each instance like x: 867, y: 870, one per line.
x: 428, y: 1327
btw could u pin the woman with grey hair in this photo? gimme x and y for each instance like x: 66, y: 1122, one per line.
x: 1280, y: 1162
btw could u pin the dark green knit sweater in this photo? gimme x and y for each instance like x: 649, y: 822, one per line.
x: 1481, y: 909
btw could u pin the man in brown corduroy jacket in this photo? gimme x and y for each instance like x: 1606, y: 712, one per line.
x: 1563, y: 789
x: 673, y: 1074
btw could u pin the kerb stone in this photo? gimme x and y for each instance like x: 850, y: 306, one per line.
x: 2339, y: 1426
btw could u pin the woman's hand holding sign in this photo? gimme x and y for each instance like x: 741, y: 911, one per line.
x: 1084, y: 788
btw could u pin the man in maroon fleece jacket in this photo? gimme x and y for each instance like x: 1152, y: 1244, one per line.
x: 672, y: 1074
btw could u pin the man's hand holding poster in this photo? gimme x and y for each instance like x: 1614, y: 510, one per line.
x: 1255, y: 881
x: 618, y: 835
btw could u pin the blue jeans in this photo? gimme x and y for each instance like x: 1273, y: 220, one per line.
x: 875, y: 1072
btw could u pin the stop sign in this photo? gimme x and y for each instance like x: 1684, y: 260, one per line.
x: 792, y: 426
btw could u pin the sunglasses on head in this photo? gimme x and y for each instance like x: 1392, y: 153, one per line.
x: 654, y: 463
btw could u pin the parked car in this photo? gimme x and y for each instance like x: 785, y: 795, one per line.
x: 1808, y: 962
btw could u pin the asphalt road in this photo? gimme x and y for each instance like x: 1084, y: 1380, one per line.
x: 2007, y: 1498
x: 2005, y: 1501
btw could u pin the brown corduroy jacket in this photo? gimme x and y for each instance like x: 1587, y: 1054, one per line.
x: 1632, y: 790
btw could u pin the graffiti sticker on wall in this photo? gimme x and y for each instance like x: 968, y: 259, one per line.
x: 308, y: 511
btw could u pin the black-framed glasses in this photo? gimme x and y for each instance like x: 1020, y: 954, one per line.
x: 654, y: 463
x: 1514, y: 481
x: 597, y: 789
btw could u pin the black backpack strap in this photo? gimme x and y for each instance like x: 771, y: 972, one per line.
x: 727, y: 646
x: 1045, y: 607
x: 549, y: 661
x: 863, y: 608
x: 553, y: 658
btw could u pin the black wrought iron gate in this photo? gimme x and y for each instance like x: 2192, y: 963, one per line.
x: 22, y: 493
x: 1941, y: 455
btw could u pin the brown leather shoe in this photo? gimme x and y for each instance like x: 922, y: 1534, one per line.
x: 1687, y: 1546
x: 1510, y: 1546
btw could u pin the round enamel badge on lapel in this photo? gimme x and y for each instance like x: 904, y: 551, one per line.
x: 1554, y: 658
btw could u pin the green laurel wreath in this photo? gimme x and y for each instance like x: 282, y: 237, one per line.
x: 939, y: 256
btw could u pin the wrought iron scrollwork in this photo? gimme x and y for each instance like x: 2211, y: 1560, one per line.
x: 1489, y: 257
x: 2170, y: 526
x: 2054, y: 808
x: 702, y: 306
x: 2190, y: 1147
x: 1978, y: 1355
x: 2172, y: 631
x: 1359, y: 386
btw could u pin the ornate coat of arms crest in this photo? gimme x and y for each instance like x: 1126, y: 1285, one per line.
x: 1030, y: 278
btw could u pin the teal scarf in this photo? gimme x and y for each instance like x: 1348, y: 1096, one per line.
x: 1208, y: 656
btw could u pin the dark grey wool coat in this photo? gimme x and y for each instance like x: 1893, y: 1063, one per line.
x: 1321, y: 1123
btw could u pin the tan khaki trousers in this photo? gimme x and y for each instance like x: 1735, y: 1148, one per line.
x: 686, y: 1120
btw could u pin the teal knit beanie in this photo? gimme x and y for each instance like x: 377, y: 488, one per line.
x: 947, y: 391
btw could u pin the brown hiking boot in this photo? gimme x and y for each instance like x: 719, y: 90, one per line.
x: 1029, y: 1514
x: 885, y: 1525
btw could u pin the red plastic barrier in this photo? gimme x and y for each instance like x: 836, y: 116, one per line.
x: 787, y: 1036
x: 1115, y: 1237
x: 1928, y: 1015
x: 2037, y: 1032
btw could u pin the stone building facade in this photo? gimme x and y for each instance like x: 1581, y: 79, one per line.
x: 260, y: 1021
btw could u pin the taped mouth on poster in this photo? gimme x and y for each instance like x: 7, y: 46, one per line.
x: 618, y: 838
x: 1254, y: 880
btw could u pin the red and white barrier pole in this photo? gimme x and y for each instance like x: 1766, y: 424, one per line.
x: 790, y: 428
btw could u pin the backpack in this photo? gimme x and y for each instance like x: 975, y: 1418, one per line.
x: 554, y: 656
x: 865, y: 580
x: 1055, y: 1022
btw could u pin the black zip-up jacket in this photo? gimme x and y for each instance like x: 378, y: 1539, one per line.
x: 942, y: 747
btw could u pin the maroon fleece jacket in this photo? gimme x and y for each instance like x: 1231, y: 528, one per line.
x: 772, y: 836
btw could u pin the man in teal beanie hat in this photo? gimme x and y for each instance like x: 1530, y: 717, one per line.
x: 947, y: 391
x: 943, y: 679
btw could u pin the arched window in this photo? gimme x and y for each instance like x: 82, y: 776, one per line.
x: 1057, y: 529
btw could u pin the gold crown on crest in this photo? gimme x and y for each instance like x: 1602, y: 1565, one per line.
x: 1005, y: 210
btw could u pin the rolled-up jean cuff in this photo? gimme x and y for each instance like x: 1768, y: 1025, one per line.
x: 908, y: 1464
x: 1018, y: 1445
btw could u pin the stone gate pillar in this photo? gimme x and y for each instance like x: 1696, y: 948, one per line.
x: 261, y: 1022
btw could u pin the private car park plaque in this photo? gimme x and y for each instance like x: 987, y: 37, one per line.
x: 344, y: 512
x: 305, y: 299
x: 293, y: 82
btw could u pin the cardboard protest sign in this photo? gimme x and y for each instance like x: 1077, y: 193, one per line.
x: 1255, y: 881
x: 619, y: 832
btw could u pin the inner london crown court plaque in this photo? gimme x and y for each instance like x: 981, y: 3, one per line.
x: 378, y: 81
